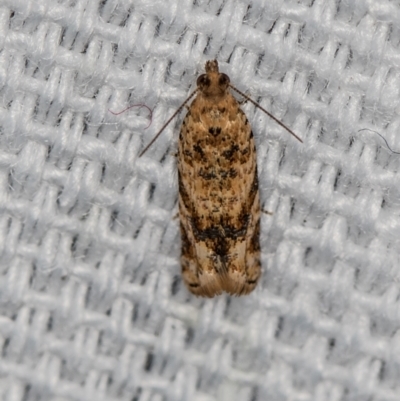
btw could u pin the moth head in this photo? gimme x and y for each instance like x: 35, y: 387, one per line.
x: 213, y: 82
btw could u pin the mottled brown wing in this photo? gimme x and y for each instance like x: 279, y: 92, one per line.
x: 219, y: 202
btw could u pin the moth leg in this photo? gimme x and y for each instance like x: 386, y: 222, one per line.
x: 267, y: 212
x: 244, y: 100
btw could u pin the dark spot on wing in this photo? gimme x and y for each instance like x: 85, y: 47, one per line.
x: 214, y: 131
x: 197, y: 148
x: 207, y: 174
x: 229, y: 154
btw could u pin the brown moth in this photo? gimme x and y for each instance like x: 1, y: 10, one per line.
x: 219, y: 201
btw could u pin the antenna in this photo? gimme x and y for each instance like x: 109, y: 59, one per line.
x: 266, y: 112
x: 164, y: 126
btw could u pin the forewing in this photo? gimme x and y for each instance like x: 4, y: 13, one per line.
x: 218, y: 200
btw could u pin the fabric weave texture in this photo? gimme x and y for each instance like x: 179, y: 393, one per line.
x: 92, y: 305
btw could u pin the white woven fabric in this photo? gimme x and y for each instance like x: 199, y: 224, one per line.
x: 92, y: 306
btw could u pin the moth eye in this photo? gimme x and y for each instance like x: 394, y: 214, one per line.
x: 224, y: 79
x: 203, y: 80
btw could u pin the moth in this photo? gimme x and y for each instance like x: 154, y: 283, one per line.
x: 219, y: 199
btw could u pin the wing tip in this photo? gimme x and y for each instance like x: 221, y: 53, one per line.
x: 211, y: 285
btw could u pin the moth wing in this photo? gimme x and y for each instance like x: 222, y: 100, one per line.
x: 208, y: 275
x: 218, y: 199
x: 244, y: 264
x: 199, y: 270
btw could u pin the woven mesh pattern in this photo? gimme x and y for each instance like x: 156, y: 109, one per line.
x: 92, y: 306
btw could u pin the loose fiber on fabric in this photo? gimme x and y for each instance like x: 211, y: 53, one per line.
x: 92, y: 304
